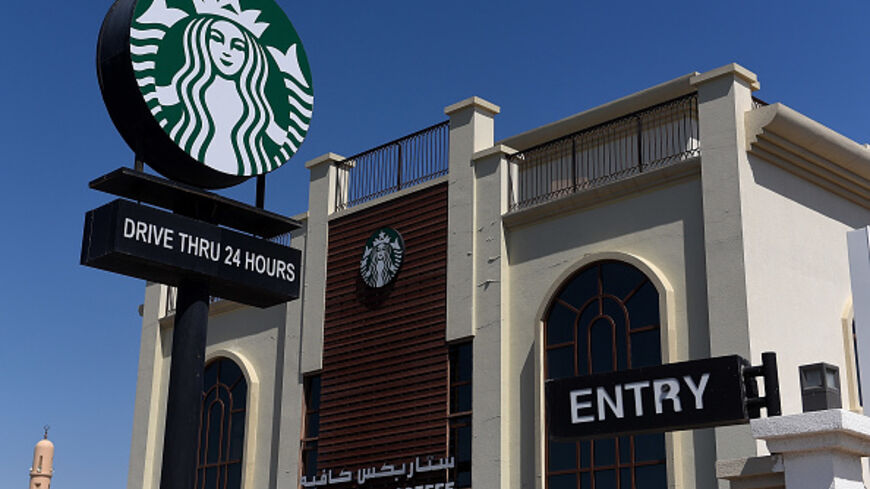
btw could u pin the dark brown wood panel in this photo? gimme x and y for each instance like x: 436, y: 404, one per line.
x: 384, y: 378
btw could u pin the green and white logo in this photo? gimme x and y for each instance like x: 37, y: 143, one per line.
x: 382, y: 257
x: 227, y: 80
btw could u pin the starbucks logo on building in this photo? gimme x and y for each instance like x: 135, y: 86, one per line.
x: 225, y: 83
x: 382, y: 257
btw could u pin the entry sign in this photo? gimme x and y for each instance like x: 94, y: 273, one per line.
x: 676, y: 396
x: 151, y: 244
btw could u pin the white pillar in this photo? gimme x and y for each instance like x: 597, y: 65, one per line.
x: 491, y: 450
x: 286, y: 470
x: 724, y: 96
x: 471, y: 130
x: 149, y: 412
x: 820, y: 449
x: 321, y: 203
x: 859, y: 269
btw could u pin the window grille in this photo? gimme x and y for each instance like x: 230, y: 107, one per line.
x: 221, y: 426
x: 311, y: 427
x: 605, y: 318
x: 459, y: 418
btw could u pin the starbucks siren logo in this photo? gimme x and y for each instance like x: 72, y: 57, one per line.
x: 227, y: 80
x: 382, y: 257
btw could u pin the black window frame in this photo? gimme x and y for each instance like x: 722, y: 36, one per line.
x: 310, y: 432
x: 622, y: 462
x: 224, y: 471
x: 460, y: 373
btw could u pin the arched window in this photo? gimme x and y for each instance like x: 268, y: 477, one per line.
x: 221, y: 426
x: 604, y: 318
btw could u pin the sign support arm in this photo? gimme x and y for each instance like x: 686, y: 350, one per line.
x: 261, y: 191
x: 771, y: 400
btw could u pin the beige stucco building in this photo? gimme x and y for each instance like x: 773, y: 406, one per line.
x: 730, y: 214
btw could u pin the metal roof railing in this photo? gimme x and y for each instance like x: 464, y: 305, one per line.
x: 615, y: 150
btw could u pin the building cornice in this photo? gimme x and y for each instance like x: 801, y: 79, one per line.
x: 498, y: 149
x: 803, y: 147
x: 330, y: 158
x: 475, y: 103
x: 731, y: 69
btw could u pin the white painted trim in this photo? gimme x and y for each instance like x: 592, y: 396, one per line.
x: 330, y: 158
x: 252, y: 419
x: 473, y: 102
x: 498, y: 149
x: 850, y: 374
x: 731, y: 69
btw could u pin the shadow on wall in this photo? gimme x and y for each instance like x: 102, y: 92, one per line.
x: 615, y: 219
x: 796, y: 189
x: 247, y: 321
x: 527, y: 427
x: 371, y: 297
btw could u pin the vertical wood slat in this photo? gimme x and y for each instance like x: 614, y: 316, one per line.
x: 406, y: 328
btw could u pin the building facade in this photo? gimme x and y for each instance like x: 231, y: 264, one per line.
x: 685, y: 221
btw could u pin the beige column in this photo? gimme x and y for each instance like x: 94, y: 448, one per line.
x: 321, y: 203
x: 494, y: 452
x: 471, y: 130
x: 286, y: 467
x: 724, y: 96
x: 149, y: 412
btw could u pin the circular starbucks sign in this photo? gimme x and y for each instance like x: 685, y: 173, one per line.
x: 382, y: 257
x: 207, y: 92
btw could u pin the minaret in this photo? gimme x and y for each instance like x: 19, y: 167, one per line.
x: 43, y: 457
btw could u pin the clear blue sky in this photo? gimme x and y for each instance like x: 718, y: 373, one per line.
x: 382, y: 69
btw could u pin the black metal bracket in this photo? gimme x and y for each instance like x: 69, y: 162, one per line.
x: 771, y: 400
x: 261, y: 192
x: 194, y: 202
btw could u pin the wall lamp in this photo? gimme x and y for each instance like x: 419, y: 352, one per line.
x: 820, y: 387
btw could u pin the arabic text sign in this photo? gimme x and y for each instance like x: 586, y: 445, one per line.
x: 400, y: 474
x: 676, y: 396
x: 151, y: 244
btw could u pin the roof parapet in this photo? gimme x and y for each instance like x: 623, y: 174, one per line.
x: 475, y: 102
x: 733, y: 69
x: 325, y: 158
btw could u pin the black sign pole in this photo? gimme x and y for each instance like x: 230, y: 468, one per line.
x: 207, y: 247
x: 180, y: 441
x: 771, y: 383
x: 261, y: 191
